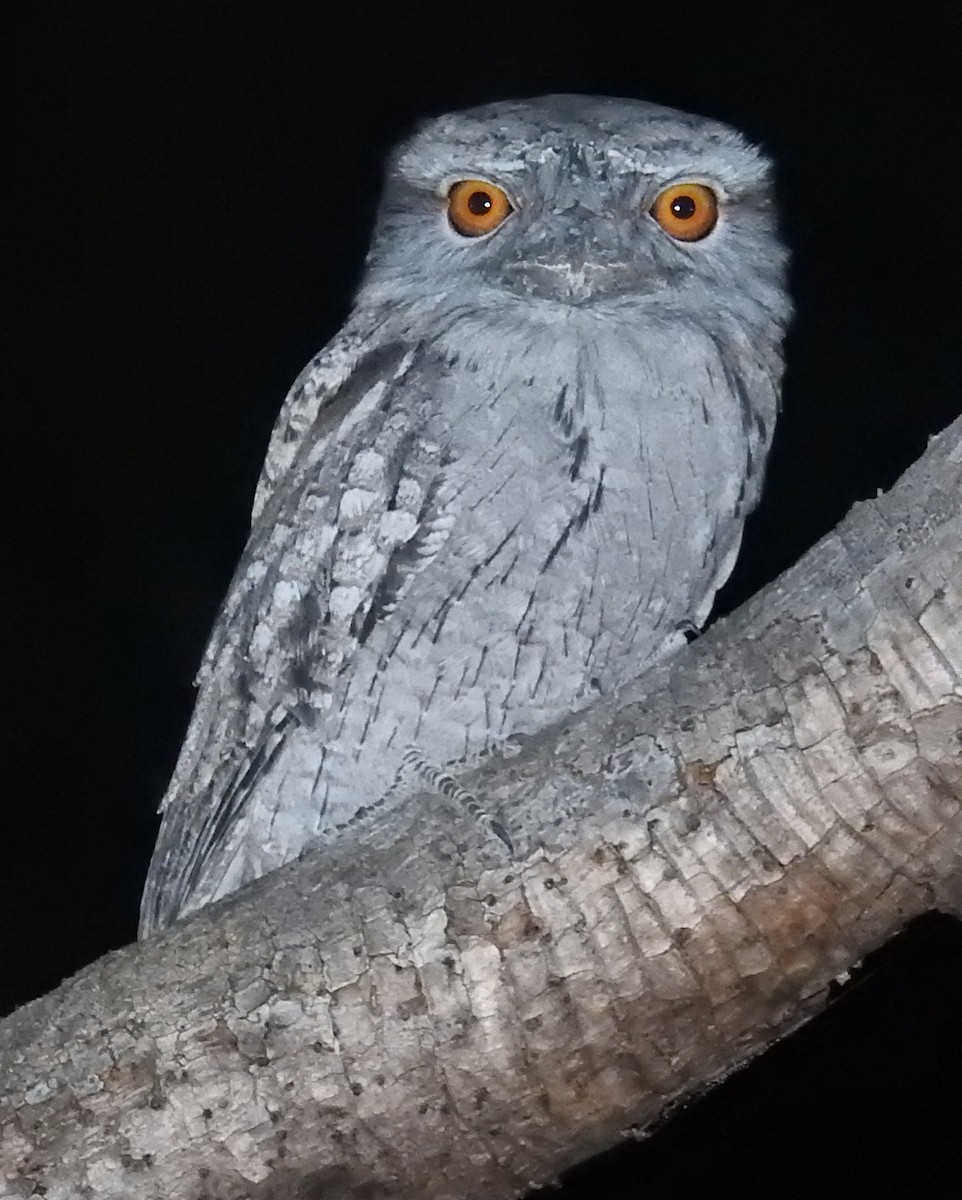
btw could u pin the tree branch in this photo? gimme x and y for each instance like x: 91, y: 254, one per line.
x: 409, y: 1012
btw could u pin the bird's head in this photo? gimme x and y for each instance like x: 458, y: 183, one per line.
x: 577, y: 201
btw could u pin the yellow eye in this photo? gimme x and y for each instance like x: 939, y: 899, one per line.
x: 476, y: 207
x: 686, y: 211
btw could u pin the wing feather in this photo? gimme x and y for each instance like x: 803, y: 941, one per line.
x: 347, y: 512
x: 307, y: 409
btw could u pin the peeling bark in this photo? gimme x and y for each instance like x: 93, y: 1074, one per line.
x: 408, y: 1012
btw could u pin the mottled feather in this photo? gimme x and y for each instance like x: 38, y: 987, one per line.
x: 515, y: 478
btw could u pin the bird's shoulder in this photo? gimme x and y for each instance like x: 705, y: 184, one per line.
x: 322, y: 392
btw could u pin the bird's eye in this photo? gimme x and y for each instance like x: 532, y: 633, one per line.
x: 686, y: 211
x: 476, y: 207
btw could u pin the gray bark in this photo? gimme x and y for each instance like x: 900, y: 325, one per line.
x: 410, y: 1012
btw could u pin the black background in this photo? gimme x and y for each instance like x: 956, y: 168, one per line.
x: 193, y: 186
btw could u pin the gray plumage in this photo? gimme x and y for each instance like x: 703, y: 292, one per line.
x: 514, y: 479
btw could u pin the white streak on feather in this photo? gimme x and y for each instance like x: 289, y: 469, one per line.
x: 409, y: 494
x: 367, y: 467
x: 395, y: 528
x: 355, y: 504
x: 344, y: 603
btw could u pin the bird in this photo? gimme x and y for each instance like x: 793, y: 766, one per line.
x: 515, y: 478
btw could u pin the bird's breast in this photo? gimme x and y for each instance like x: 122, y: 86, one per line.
x: 585, y: 494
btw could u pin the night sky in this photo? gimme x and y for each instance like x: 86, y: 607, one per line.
x: 193, y: 187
